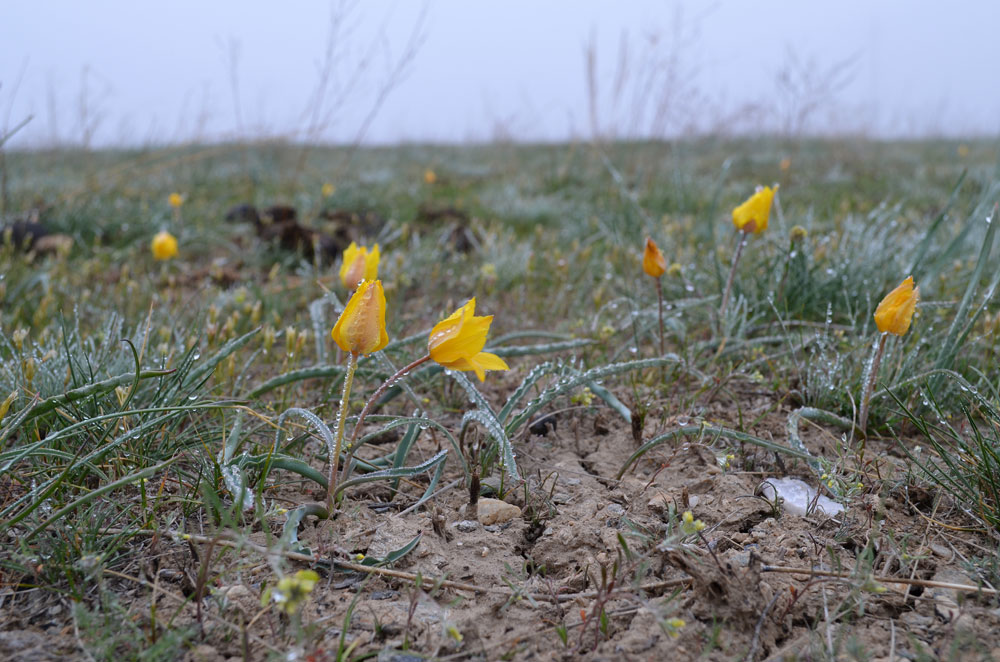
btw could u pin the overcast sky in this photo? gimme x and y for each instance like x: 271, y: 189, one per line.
x: 115, y: 73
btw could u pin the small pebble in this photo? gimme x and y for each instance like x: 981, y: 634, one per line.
x: 495, y: 511
x: 466, y: 525
x: 615, y: 509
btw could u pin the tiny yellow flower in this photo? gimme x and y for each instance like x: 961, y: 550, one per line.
x: 675, y: 625
x: 690, y: 525
x: 175, y: 200
x: 798, y: 233
x: 752, y: 215
x: 430, y: 176
x: 359, y: 264
x: 895, y: 312
x: 457, y: 342
x: 328, y: 189
x: 454, y: 633
x: 292, y: 590
x: 164, y: 246
x: 675, y: 270
x: 361, y: 327
x: 653, y: 262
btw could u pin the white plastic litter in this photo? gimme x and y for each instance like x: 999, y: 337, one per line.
x: 798, y: 497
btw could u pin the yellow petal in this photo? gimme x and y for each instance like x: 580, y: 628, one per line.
x: 361, y: 327
x: 163, y: 246
x: 895, y: 311
x: 350, y: 255
x: 752, y: 215
x: 463, y: 341
x: 457, y: 341
x: 371, y: 264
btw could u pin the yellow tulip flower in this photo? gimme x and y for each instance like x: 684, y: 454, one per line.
x: 164, y: 246
x: 359, y: 264
x: 175, y: 200
x: 430, y: 176
x: 457, y: 342
x: 653, y: 262
x: 895, y: 312
x: 752, y: 215
x: 361, y: 327
x: 328, y: 189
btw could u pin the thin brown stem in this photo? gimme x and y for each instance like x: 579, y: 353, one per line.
x: 732, y: 272
x: 659, y: 297
x: 869, y: 388
x: 402, y: 372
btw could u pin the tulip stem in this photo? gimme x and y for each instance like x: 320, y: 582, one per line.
x: 732, y: 273
x: 659, y: 298
x: 869, y: 388
x: 352, y: 364
x: 402, y: 372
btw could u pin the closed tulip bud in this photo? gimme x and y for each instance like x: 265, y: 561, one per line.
x: 164, y: 246
x: 361, y: 327
x: 653, y: 262
x: 752, y: 215
x: 895, y: 312
x: 359, y: 264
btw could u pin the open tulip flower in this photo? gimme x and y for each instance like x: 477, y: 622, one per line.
x: 359, y: 264
x: 653, y: 262
x: 361, y: 327
x: 752, y: 215
x: 895, y: 312
x: 457, y: 342
x: 163, y: 246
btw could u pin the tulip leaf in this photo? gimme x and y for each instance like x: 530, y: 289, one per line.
x: 403, y: 472
x: 568, y: 384
x: 718, y: 432
x: 394, y: 555
x: 953, y: 341
x: 496, y: 430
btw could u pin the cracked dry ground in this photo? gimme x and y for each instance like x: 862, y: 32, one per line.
x: 575, y: 515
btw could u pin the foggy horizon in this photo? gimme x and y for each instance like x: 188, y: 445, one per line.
x: 386, y: 72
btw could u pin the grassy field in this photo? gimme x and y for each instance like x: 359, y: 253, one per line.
x: 166, y: 426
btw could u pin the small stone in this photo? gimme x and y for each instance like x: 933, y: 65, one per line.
x: 466, y: 525
x: 694, y: 500
x: 660, y: 502
x: 615, y: 509
x: 560, y: 497
x: 495, y: 511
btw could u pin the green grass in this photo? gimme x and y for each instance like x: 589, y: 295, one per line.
x: 146, y: 397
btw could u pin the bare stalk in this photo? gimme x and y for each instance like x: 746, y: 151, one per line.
x: 352, y: 364
x: 659, y: 297
x: 869, y: 388
x: 732, y: 272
